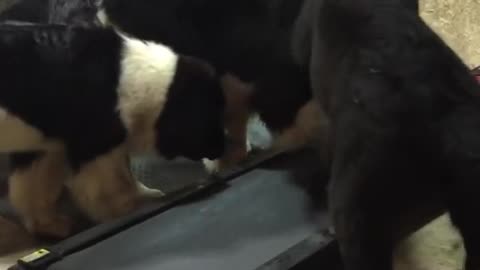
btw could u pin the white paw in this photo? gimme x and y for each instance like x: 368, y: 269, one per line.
x: 248, y: 146
x: 150, y: 192
x: 212, y: 166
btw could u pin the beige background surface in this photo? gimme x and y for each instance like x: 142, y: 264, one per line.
x: 458, y: 22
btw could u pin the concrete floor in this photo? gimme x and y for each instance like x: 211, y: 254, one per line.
x: 437, y: 246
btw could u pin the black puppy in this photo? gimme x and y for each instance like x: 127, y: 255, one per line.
x: 404, y: 114
x: 248, y: 41
x: 76, y: 102
x: 70, y: 12
x: 26, y: 11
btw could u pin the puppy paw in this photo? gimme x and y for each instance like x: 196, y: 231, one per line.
x: 150, y: 193
x: 211, y: 166
x: 236, y: 154
x: 248, y: 146
x: 53, y: 226
x: 215, y: 166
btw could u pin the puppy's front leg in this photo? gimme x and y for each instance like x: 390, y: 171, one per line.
x: 35, y: 186
x: 238, y: 97
x: 105, y: 189
x: 311, y: 126
x: 361, y: 194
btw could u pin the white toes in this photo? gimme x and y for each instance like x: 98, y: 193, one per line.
x: 150, y: 192
x: 212, y: 166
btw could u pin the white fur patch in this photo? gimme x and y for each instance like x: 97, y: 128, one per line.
x: 17, y: 135
x: 212, y: 166
x: 147, y: 71
x: 102, y: 17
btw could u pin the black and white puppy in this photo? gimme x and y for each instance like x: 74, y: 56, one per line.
x: 405, y: 120
x: 76, y: 102
x: 248, y: 42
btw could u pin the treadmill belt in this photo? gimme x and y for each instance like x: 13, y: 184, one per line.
x: 255, y: 218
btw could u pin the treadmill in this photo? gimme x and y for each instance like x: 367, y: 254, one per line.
x: 255, y: 216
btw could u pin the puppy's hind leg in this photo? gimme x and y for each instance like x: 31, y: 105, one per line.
x: 464, y: 205
x: 35, y: 186
x: 13, y: 237
x: 105, y: 189
x: 462, y: 149
x: 361, y: 195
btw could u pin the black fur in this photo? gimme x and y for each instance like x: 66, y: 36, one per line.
x: 194, y: 92
x: 63, y: 80
x: 23, y: 160
x: 413, y: 5
x: 70, y: 12
x: 73, y: 12
x: 249, y: 38
x: 26, y: 10
x: 405, y: 119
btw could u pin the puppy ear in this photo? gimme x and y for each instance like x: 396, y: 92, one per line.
x: 191, y: 123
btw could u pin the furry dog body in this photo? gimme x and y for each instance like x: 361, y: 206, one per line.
x: 404, y: 119
x: 77, y: 102
x: 69, y: 12
x: 246, y: 40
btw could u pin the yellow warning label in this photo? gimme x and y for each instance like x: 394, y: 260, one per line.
x: 35, y: 255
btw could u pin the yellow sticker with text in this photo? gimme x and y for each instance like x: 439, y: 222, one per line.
x: 35, y: 255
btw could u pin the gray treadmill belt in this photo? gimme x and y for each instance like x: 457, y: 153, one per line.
x: 172, y: 177
x: 259, y: 216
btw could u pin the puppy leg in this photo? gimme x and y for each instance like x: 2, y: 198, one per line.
x: 359, y: 196
x: 13, y: 237
x: 311, y: 124
x: 464, y: 205
x: 362, y: 234
x: 238, y: 97
x: 463, y: 159
x: 104, y: 188
x: 35, y: 186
